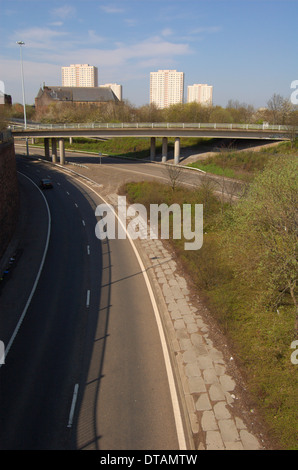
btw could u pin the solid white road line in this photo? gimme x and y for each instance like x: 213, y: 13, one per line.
x: 38, y: 274
x: 170, y: 374
x: 88, y: 298
x: 73, y: 405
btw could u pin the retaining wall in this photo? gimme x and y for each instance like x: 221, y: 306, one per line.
x: 9, y: 194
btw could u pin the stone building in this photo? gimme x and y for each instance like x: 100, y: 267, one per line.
x: 76, y: 95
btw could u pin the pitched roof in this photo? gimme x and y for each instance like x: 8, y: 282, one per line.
x: 79, y: 94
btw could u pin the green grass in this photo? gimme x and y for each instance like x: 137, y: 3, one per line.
x: 128, y: 146
x: 213, y: 168
x: 260, y: 337
x: 244, y: 165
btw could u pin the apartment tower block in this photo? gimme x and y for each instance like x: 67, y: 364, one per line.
x: 80, y: 75
x: 200, y: 93
x: 166, y: 88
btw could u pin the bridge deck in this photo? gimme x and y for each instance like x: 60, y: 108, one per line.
x: 220, y: 130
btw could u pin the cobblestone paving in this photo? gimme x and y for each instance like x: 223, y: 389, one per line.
x: 209, y: 391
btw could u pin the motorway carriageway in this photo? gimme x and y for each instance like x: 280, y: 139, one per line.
x: 86, y: 368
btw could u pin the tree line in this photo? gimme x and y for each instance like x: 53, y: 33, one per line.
x: 279, y: 110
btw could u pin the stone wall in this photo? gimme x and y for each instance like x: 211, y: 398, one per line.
x: 9, y: 194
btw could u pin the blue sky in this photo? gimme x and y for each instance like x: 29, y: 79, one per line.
x: 246, y: 49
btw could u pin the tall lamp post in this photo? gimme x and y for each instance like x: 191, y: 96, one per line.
x: 21, y: 43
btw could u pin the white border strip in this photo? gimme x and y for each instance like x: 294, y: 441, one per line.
x: 171, y: 380
x: 38, y: 274
x: 73, y: 405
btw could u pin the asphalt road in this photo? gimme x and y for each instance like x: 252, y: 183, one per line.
x: 85, y: 370
x: 112, y: 172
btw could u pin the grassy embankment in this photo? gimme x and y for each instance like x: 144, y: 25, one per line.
x: 244, y: 165
x: 236, y: 271
x: 246, y: 272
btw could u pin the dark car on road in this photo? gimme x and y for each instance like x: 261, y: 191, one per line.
x: 46, y: 183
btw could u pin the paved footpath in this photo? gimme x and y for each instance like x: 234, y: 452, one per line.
x: 215, y: 404
x: 212, y: 396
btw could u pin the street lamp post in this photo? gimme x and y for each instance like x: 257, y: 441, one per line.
x: 21, y: 43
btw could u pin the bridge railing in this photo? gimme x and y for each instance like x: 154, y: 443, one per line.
x: 153, y: 125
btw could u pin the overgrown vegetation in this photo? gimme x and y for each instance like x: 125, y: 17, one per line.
x: 244, y: 165
x: 246, y: 271
x: 279, y: 110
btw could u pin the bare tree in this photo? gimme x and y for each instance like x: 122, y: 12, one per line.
x: 174, y: 174
x: 279, y: 109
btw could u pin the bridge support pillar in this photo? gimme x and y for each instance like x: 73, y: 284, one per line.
x: 54, y: 150
x: 177, y: 151
x: 164, y: 154
x: 152, y: 148
x: 62, y: 151
x: 46, y: 149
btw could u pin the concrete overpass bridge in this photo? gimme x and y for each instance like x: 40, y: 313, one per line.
x: 154, y: 130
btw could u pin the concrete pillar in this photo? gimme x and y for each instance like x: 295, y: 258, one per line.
x: 70, y: 140
x: 47, y: 149
x: 152, y: 148
x: 54, y: 150
x: 164, y: 154
x: 62, y: 151
x: 32, y: 140
x: 177, y: 151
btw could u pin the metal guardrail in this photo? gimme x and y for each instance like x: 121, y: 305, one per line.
x: 152, y: 125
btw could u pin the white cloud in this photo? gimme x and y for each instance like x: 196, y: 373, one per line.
x: 48, y: 49
x: 206, y: 29
x: 130, y: 22
x: 110, y: 9
x: 56, y: 23
x: 61, y: 48
x: 94, y: 38
x: 167, y: 32
x: 34, y: 76
x: 39, y: 38
x: 64, y: 12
